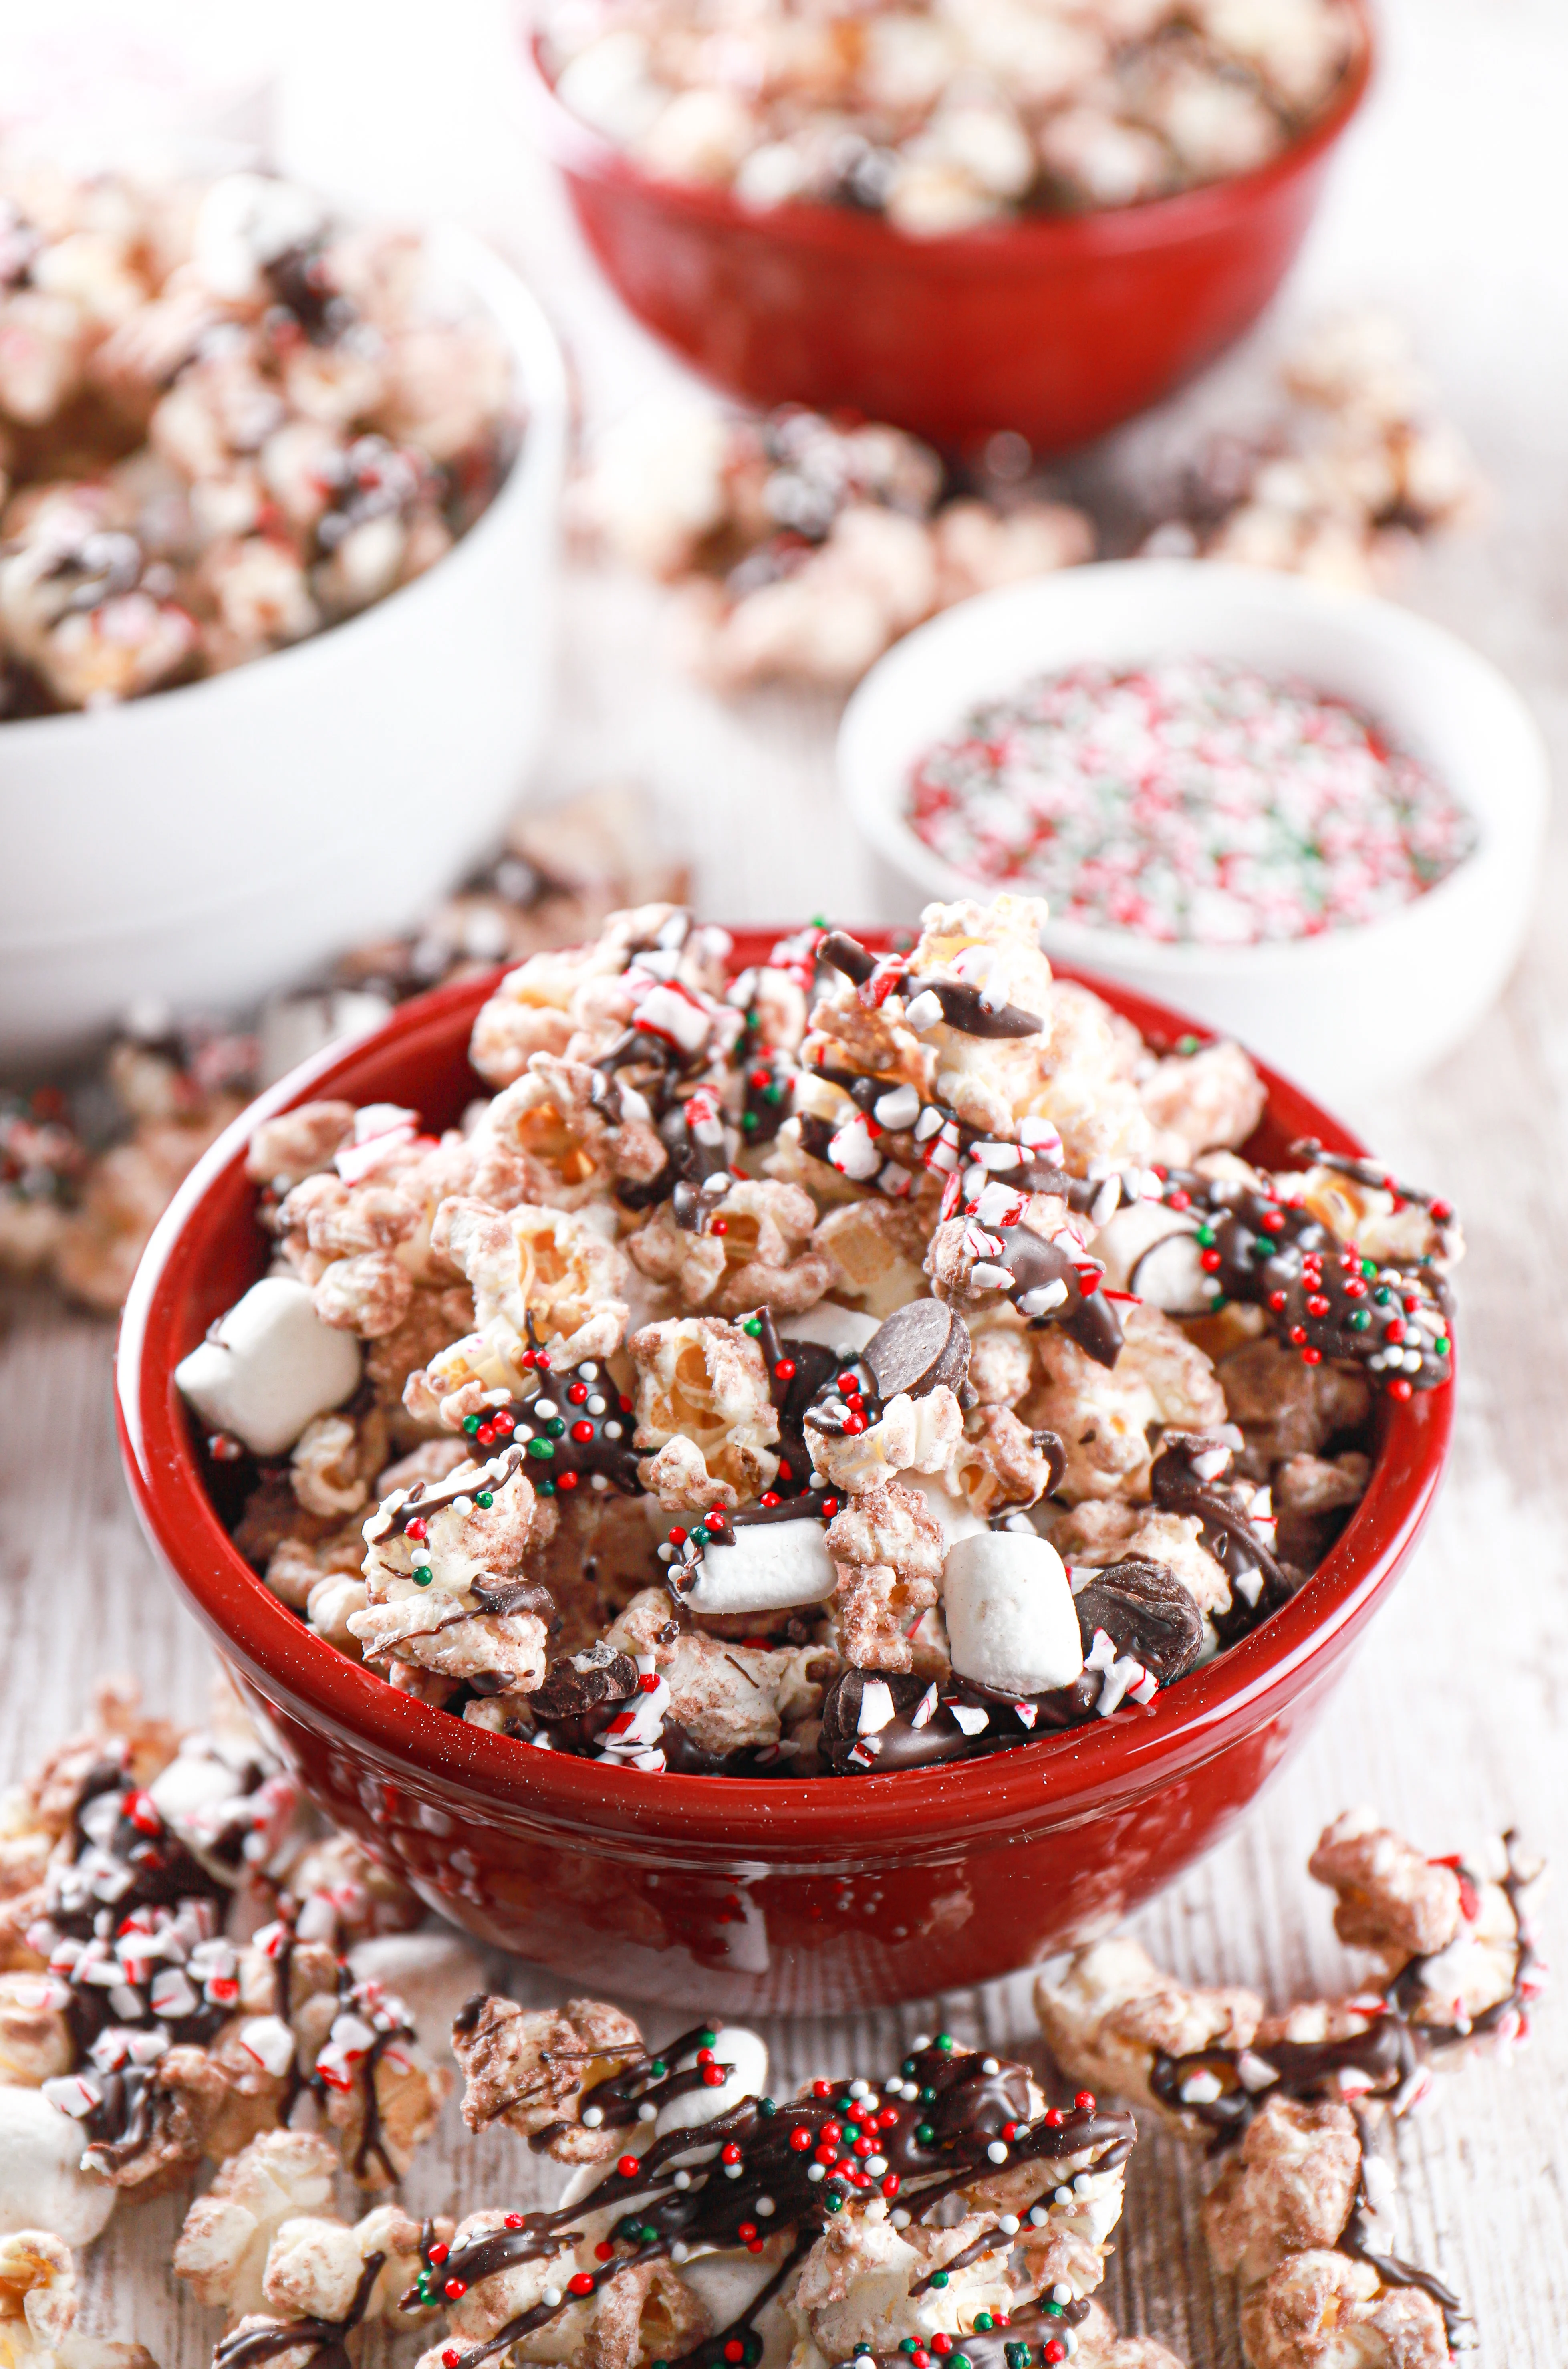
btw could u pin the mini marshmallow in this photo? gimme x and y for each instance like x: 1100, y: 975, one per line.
x: 1154, y: 1251
x: 733, y: 2044
x: 1011, y: 1621
x: 843, y: 1330
x: 762, y: 1567
x: 42, y: 2185
x: 269, y: 1366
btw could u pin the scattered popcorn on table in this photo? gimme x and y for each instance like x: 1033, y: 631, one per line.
x: 804, y: 2225
x: 849, y: 1365
x: 1291, y: 2103
x: 174, y: 1979
x: 38, y: 2311
x: 226, y: 423
x: 802, y: 548
x: 942, y: 119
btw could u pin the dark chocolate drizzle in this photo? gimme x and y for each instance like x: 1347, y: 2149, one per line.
x: 963, y: 1005
x: 1354, y: 2239
x: 244, y: 2349
x: 1228, y: 1533
x: 1321, y: 1298
x: 938, y: 2140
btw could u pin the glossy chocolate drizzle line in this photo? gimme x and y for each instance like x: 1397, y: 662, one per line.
x: 1389, y: 2053
x: 245, y: 2348
x: 1176, y: 1488
x: 1458, y: 2329
x: 1259, y: 1249
x: 940, y: 2138
x: 964, y: 1007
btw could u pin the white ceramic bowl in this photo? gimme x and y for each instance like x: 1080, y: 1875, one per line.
x: 204, y: 844
x: 1351, y: 1009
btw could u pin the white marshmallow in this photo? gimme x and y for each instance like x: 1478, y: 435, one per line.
x: 766, y: 1566
x: 1011, y: 1621
x: 733, y: 2044
x: 42, y: 2185
x: 843, y: 1330
x: 270, y: 1367
x: 1159, y: 1247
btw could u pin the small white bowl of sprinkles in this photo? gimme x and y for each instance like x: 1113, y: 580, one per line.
x: 1309, y: 817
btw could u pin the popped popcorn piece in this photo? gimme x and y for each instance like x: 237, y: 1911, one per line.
x: 529, y: 2070
x: 1114, y: 2011
x: 1288, y: 2187
x: 704, y: 1419
x: 222, y: 2250
x: 1387, y: 1897
x: 1317, y: 2305
x: 439, y: 1567
x: 756, y: 1251
x: 1103, y: 1416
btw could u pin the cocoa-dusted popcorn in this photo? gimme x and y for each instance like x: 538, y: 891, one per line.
x: 768, y: 1340
x: 941, y: 120
x: 242, y: 424
x: 806, y: 2223
x: 1291, y: 2102
x: 178, y: 1981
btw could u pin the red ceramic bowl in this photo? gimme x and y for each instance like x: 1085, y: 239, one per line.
x: 1056, y: 327
x: 817, y: 1895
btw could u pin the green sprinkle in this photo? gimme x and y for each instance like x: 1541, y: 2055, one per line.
x: 766, y: 2106
x: 470, y: 1424
x: 819, y: 921
x: 1017, y: 2356
x: 1360, y: 1321
x: 423, y: 1574
x: 1217, y: 1303
x: 541, y: 1447
x: 835, y: 2200
x: 909, y: 2066
x: 1186, y: 1044
x: 707, y: 2038
x: 1262, y: 1248
x: 1382, y: 1296
x: 1442, y: 1346
x: 749, y: 1122
x: 753, y: 1325
x: 1055, y: 2309
x: 1206, y: 1236
x: 946, y: 2042
x: 924, y: 2133
x: 959, y: 2360
x: 648, y: 2233
x: 485, y: 1499
x: 984, y: 2320
x: 774, y: 1094
x: 928, y: 2097
x: 1368, y: 1268
x: 939, y: 2277
x: 661, y: 2365
x: 659, y: 2068
x: 556, y: 1426
x: 909, y: 2344
x: 546, y: 1488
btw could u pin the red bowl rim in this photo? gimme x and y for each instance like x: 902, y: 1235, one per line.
x: 584, y: 153
x: 1064, y: 1778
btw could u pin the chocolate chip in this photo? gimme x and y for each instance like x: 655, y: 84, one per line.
x: 918, y: 1346
x: 1145, y: 1612
x: 571, y: 1689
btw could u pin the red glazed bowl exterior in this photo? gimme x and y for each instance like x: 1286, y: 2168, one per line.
x: 1057, y: 328
x: 811, y: 1896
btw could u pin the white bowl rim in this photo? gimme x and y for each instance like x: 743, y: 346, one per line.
x: 544, y: 393
x: 1521, y: 791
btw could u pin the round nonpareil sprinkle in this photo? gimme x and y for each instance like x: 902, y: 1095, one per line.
x: 1195, y: 800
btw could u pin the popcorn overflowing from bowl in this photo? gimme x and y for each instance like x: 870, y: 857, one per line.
x: 861, y: 1363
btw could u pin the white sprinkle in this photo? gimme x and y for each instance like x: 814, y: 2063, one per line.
x: 921, y: 2040
x: 990, y: 2064
x: 678, y: 2251
x: 552, y: 2295
x: 592, y: 2116
x: 682, y: 2179
x: 544, y: 1409
x: 1064, y: 2196
x: 1008, y: 2225
x: 816, y: 2171
x: 648, y: 2112
x: 996, y: 2152
x: 1084, y: 2184
x: 615, y: 1430
x: 1038, y: 2216
x: 859, y: 2089
x: 900, y: 2217
x: 1061, y: 2292
x: 596, y: 1406
x: 765, y: 2206
x: 588, y: 1373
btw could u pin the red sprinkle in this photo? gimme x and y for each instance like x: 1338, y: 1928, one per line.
x: 1084, y: 2101
x: 890, y: 2185
x: 785, y: 1369
x: 580, y: 2283
x: 455, y: 2288
x: 438, y: 2253
x: 1400, y: 1389
x: 714, y: 2077
x: 416, y: 1531
x: 513, y: 2221
x: 800, y: 2139
x: 578, y: 1393
x: 605, y: 2251
x: 731, y: 2154
x: 1054, y: 2118
x: 628, y: 2167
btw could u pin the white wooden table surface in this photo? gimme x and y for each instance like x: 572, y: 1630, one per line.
x: 1450, y: 204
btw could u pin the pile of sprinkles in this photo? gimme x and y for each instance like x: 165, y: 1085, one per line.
x: 1192, y: 800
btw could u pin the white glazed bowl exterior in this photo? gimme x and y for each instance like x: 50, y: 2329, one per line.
x: 1354, y: 1008
x: 204, y: 844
